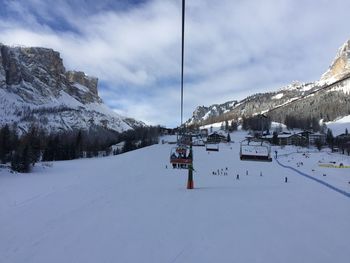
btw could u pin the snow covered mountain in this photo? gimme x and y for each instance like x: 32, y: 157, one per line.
x: 213, y: 112
x: 326, y: 99
x: 36, y: 88
x: 340, y: 66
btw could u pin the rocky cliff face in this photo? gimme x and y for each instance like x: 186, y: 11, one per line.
x: 321, y: 99
x: 38, y: 73
x: 77, y: 79
x: 340, y: 66
x: 35, y: 87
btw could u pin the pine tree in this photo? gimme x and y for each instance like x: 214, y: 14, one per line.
x: 234, y: 126
x: 5, y: 144
x: 49, y: 154
x: 330, y: 138
x: 79, y: 145
x: 275, y: 138
x: 21, y: 160
x: 318, y: 144
x: 245, y: 123
x: 32, y: 139
x: 226, y: 125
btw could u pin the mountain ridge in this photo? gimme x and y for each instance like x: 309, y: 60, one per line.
x: 309, y: 99
x: 36, y: 88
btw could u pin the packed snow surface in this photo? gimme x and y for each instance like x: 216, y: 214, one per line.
x: 135, y: 208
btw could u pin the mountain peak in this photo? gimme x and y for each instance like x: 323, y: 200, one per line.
x: 340, y: 66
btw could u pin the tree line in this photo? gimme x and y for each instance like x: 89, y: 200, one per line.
x: 23, y: 151
x: 256, y: 123
x: 342, y: 142
x: 303, y: 123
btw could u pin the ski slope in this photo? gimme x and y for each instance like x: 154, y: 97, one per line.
x: 135, y: 208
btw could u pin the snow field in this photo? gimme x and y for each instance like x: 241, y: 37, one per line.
x: 135, y: 208
x: 310, y: 161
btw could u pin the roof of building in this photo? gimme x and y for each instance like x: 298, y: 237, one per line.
x: 282, y: 136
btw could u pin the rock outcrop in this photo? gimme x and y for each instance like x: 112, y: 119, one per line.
x: 77, y: 79
x: 41, y: 71
x: 340, y: 66
x: 82, y: 79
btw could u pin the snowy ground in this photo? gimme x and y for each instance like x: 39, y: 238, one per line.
x: 339, y: 126
x: 314, y: 163
x: 131, y: 208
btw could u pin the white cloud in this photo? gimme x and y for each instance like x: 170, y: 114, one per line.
x: 233, y: 48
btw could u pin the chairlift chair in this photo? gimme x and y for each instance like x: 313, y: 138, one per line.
x: 212, y: 143
x: 255, y: 152
x: 211, y: 146
x: 180, y: 157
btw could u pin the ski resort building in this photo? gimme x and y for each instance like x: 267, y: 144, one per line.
x: 216, y: 138
x: 313, y: 137
x: 287, y: 139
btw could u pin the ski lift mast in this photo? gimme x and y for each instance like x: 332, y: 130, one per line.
x: 189, y: 164
x: 182, y: 60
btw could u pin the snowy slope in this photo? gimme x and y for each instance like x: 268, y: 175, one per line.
x: 131, y: 208
x: 61, y: 113
x: 338, y: 127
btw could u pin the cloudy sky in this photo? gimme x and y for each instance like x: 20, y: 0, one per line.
x: 233, y: 48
